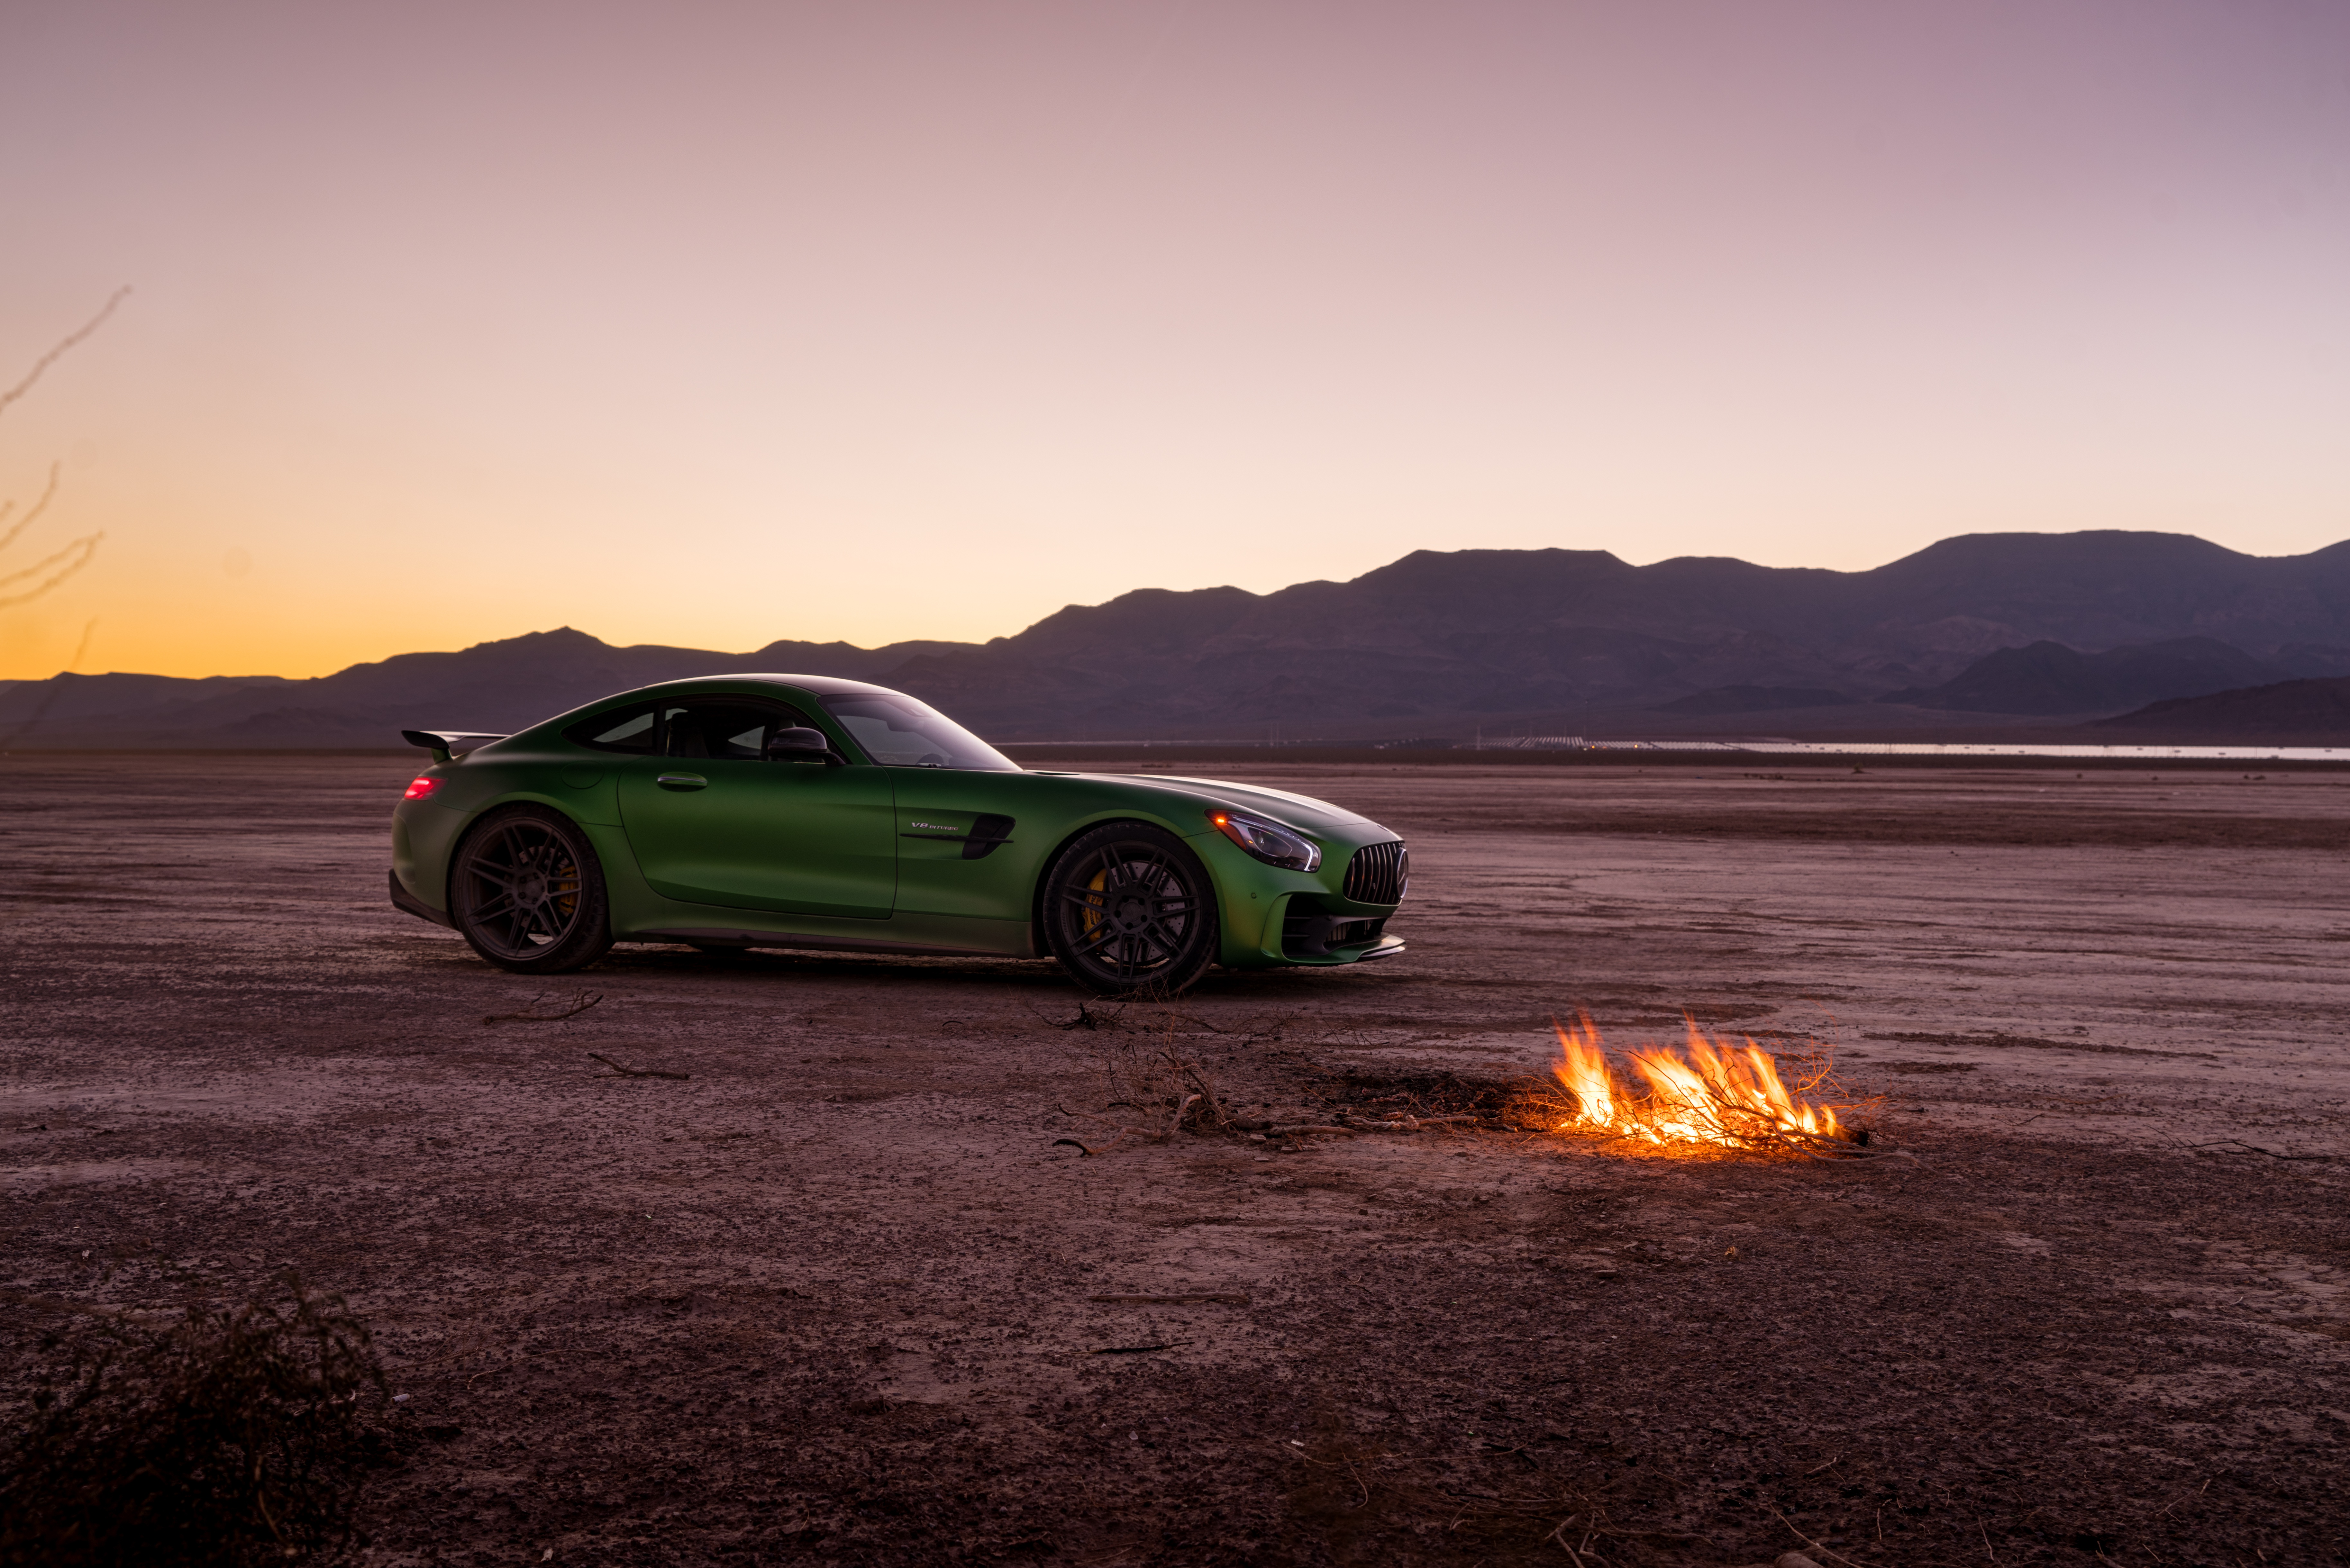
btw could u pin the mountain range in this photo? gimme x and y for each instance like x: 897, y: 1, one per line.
x: 2316, y: 709
x: 2038, y: 626
x: 2045, y: 678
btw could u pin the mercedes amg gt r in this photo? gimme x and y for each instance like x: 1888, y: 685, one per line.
x: 792, y: 811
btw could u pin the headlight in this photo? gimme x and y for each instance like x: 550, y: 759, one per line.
x: 1268, y: 841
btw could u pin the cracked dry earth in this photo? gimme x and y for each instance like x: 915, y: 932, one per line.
x: 835, y: 1297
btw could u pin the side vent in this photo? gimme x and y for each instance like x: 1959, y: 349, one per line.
x: 1378, y: 873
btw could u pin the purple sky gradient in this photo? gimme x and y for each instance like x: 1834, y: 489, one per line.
x: 715, y: 323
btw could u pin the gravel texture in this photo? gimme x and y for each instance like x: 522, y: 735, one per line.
x: 831, y: 1296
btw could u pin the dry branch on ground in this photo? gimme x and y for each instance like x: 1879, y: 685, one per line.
x: 228, y: 1439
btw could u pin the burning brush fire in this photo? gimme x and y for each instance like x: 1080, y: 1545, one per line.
x: 1709, y: 1094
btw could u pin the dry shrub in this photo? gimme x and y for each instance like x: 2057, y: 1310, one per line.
x: 1149, y: 1088
x: 1358, y: 1503
x: 230, y: 1437
x: 1430, y: 1094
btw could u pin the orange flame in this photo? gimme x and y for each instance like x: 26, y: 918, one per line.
x: 1716, y: 1095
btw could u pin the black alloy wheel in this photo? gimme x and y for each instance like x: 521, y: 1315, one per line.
x: 1128, y: 909
x: 527, y: 892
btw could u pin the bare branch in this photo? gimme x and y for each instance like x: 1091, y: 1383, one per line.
x: 637, y: 1072
x: 38, y: 567
x: 80, y: 552
x: 32, y: 720
x: 54, y: 355
x: 26, y: 520
x: 581, y: 1004
x: 83, y: 549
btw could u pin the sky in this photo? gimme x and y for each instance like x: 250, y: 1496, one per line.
x: 713, y: 324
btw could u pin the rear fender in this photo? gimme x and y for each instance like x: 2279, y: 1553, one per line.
x: 433, y: 846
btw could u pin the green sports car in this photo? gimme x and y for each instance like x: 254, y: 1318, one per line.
x: 792, y: 811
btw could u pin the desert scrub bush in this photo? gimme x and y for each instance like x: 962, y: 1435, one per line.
x: 230, y: 1437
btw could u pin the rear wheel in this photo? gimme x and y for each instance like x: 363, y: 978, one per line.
x: 527, y: 892
x: 1129, y: 908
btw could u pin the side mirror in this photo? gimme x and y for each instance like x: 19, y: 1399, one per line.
x: 798, y: 745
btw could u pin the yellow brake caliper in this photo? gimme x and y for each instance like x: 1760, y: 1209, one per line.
x: 1094, y: 911
x: 567, y: 879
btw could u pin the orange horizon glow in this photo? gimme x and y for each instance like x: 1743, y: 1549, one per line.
x: 714, y: 324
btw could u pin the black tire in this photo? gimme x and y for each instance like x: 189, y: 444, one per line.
x: 1128, y: 909
x: 526, y: 892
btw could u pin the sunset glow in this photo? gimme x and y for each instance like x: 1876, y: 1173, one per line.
x: 711, y: 325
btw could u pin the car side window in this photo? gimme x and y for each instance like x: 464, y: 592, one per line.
x: 727, y: 727
x: 628, y: 731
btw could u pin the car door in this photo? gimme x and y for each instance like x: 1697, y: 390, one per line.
x: 963, y: 847
x: 714, y: 821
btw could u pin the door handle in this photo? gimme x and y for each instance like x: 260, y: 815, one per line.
x: 681, y: 780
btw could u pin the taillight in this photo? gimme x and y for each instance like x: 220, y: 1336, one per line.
x: 422, y: 787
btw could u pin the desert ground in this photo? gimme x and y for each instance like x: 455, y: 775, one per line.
x: 838, y: 1295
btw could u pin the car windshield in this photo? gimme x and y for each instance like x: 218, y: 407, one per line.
x: 899, y: 733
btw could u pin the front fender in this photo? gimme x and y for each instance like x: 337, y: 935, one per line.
x: 1251, y: 897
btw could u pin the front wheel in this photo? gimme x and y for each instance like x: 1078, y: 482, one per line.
x: 527, y: 892
x: 1129, y: 908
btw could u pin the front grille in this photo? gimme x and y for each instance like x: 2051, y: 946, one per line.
x: 1378, y: 874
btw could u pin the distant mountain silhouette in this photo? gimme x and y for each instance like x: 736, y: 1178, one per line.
x: 492, y: 686
x: 1444, y: 638
x: 2316, y: 712
x: 1756, y: 700
x: 2312, y: 660
x: 2050, y: 678
x: 1436, y: 642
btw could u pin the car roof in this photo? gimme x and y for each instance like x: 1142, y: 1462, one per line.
x: 822, y: 685
x: 815, y: 685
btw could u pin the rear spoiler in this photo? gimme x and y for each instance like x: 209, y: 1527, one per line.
x: 445, y: 744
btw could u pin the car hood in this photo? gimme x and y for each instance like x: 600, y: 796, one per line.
x: 1297, y: 810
